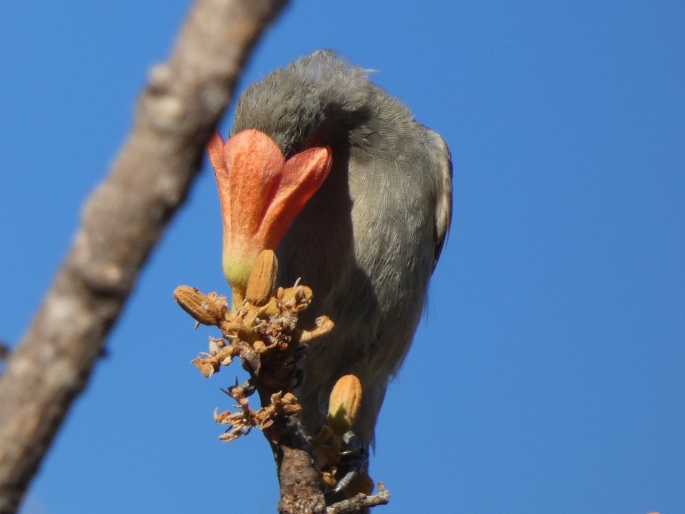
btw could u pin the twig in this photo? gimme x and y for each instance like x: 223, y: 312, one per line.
x: 122, y: 222
x: 361, y: 501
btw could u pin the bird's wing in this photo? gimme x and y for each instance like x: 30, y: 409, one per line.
x: 443, y: 204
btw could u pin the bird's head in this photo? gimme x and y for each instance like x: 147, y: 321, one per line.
x: 288, y: 130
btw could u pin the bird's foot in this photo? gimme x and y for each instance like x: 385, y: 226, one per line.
x: 355, y: 459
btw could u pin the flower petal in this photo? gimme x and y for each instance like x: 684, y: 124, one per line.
x: 302, y: 175
x: 254, y: 164
x: 215, y: 150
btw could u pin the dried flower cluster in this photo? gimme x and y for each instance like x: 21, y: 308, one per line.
x: 262, y: 332
x: 242, y: 421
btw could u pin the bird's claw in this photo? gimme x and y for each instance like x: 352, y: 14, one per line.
x: 248, y: 387
x: 359, y: 459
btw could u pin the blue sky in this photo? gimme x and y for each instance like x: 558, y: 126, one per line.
x: 549, y: 371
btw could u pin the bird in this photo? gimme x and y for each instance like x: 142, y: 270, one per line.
x: 369, y: 238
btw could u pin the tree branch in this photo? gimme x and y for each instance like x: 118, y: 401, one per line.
x: 122, y: 222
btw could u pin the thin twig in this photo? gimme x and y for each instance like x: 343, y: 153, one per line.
x: 361, y: 501
x: 122, y: 222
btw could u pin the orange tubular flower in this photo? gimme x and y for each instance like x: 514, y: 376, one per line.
x: 260, y: 193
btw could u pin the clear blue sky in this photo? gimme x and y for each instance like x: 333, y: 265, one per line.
x: 549, y: 373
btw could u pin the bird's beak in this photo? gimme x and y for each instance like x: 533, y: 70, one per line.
x: 261, y: 193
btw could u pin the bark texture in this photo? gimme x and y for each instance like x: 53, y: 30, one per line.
x: 122, y: 221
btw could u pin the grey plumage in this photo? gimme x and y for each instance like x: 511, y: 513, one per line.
x: 368, y: 240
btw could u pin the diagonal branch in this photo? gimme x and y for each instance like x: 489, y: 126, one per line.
x: 122, y: 222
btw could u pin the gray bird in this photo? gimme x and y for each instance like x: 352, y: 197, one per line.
x: 368, y: 240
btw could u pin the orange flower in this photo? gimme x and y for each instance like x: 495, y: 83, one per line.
x: 260, y: 193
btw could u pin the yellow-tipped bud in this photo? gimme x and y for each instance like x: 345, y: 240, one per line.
x: 344, y: 403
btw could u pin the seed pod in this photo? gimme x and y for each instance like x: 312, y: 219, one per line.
x: 262, y: 281
x: 206, y: 309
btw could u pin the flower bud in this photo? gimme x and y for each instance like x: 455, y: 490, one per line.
x: 344, y: 403
x: 262, y: 281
